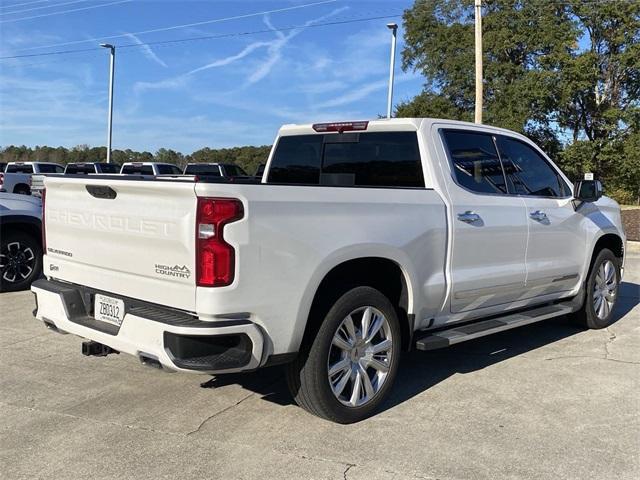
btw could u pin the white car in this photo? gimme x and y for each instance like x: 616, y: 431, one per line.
x: 363, y: 239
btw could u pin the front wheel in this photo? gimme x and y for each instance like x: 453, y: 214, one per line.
x: 601, y: 292
x: 349, y: 368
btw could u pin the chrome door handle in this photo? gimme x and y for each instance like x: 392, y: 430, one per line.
x: 468, y: 217
x: 538, y: 216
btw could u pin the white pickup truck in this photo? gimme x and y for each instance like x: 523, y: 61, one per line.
x: 363, y: 239
x: 18, y: 176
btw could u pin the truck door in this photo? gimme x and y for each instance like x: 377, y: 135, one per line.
x: 488, y: 226
x: 557, y: 241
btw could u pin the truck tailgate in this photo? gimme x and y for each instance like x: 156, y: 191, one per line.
x: 127, y: 237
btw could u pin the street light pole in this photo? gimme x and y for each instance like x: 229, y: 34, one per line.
x: 478, y: 42
x: 394, y: 28
x: 111, y: 80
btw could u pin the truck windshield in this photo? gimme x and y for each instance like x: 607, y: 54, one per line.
x: 204, y: 169
x: 80, y: 169
x: 19, y: 168
x: 169, y: 170
x: 137, y: 170
x: 108, y: 168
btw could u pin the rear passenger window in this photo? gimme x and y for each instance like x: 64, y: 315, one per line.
x: 48, y: 168
x: 528, y: 173
x: 476, y: 165
x: 385, y: 159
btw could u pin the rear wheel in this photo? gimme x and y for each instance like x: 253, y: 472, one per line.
x: 601, y: 292
x: 20, y: 261
x: 349, y: 368
x: 22, y: 189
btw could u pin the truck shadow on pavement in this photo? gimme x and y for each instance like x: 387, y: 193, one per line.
x: 420, y: 371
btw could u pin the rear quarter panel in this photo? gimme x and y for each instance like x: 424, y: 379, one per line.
x: 291, y: 237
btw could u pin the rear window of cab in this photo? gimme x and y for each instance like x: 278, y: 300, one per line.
x: 362, y: 159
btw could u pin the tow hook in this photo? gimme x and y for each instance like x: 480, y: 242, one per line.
x: 95, y: 349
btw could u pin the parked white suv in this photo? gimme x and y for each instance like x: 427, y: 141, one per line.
x: 363, y: 239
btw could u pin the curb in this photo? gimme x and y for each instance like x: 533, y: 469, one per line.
x: 633, y: 247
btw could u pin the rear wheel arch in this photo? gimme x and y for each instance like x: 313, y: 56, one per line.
x: 381, y: 273
x: 22, y: 188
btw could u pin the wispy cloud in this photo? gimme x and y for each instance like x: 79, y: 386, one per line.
x: 146, y: 50
x: 358, y: 92
x: 168, y: 83
x: 275, y: 48
x: 274, y: 54
x: 232, y: 58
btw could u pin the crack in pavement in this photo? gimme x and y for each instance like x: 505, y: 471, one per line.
x: 609, y: 341
x: 25, y: 340
x: 90, y: 420
x: 226, y: 409
x: 349, y: 467
x: 592, y: 357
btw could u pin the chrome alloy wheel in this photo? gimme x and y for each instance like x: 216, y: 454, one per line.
x: 17, y: 262
x: 360, y: 356
x: 605, y: 289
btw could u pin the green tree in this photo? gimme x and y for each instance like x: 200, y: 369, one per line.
x: 169, y: 156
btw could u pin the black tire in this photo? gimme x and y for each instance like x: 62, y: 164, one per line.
x: 14, y: 273
x: 307, y: 376
x: 587, y: 315
x: 22, y: 189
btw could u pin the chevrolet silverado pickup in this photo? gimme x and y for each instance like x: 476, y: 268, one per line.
x: 18, y: 177
x: 362, y: 240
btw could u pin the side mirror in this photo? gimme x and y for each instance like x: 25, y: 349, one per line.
x: 587, y: 190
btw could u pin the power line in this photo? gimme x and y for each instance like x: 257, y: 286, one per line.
x: 22, y: 4
x: 207, y: 37
x: 176, y: 27
x: 55, y: 5
x: 65, y: 11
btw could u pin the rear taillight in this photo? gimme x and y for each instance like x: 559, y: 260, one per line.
x: 1, y: 179
x: 44, y: 234
x: 215, y: 258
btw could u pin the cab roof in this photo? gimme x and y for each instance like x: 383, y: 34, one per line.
x: 383, y: 125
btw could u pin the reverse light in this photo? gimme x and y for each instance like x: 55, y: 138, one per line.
x: 341, y: 126
x: 215, y: 258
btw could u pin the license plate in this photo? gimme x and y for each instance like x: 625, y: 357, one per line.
x: 108, y: 309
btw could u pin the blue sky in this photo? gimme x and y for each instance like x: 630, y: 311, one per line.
x: 230, y: 91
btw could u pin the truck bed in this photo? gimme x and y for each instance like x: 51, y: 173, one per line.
x: 289, y: 238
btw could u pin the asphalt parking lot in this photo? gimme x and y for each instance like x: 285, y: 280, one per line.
x: 544, y: 401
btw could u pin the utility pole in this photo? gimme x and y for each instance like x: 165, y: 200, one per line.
x: 394, y: 29
x: 111, y: 80
x: 478, y: 42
